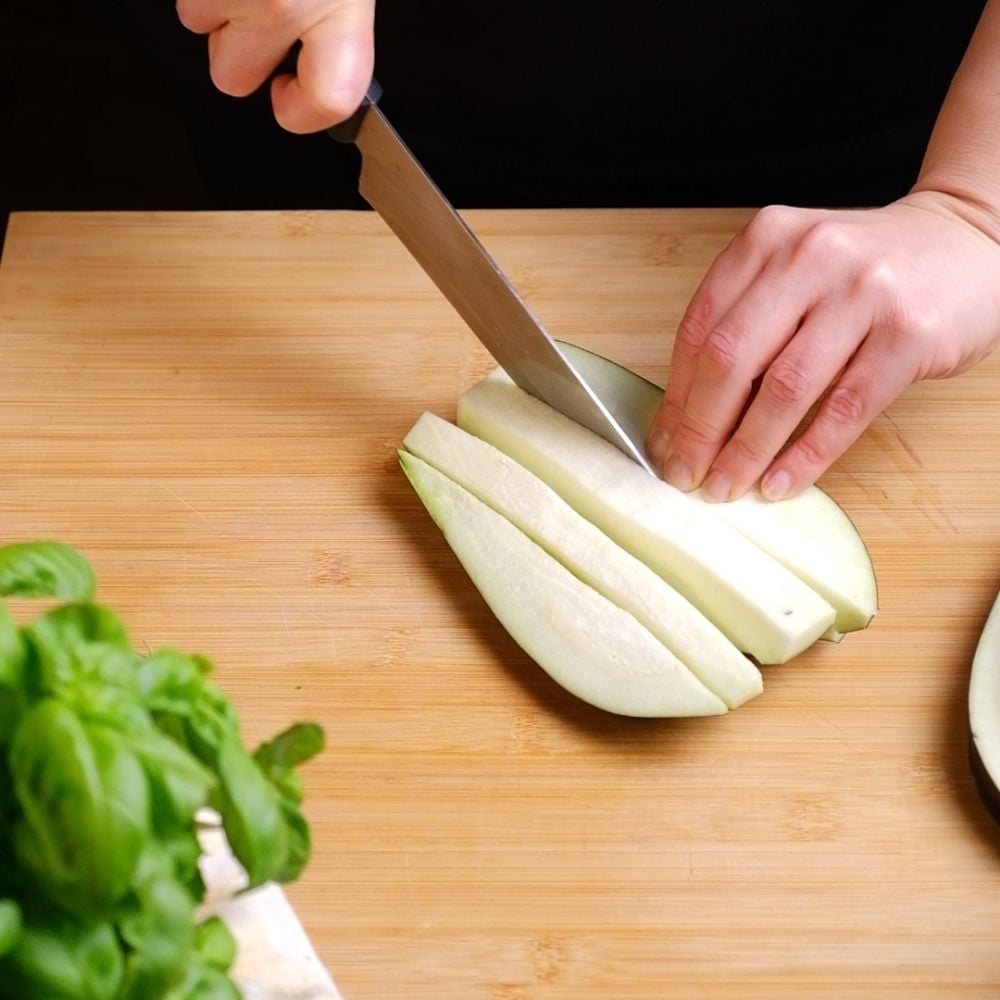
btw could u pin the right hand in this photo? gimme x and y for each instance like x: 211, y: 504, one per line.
x: 248, y: 39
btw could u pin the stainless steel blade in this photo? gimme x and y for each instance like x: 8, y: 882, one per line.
x: 395, y: 184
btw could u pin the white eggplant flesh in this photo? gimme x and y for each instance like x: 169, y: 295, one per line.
x: 587, y: 644
x: 762, y: 607
x: 538, y: 511
x: 809, y: 534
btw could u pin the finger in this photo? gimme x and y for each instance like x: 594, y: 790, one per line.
x: 334, y: 70
x: 726, y: 280
x: 882, y: 368
x: 739, y: 349
x: 797, y: 377
x: 241, y: 57
x: 201, y: 16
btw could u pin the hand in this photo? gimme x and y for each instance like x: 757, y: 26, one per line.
x: 846, y: 308
x: 247, y: 39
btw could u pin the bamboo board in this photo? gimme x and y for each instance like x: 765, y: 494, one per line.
x: 209, y: 406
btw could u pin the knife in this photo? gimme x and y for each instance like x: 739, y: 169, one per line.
x: 395, y: 184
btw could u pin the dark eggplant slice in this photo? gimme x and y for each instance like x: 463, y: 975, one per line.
x: 984, y: 713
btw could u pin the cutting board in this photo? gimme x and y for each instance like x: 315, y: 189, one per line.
x: 210, y: 406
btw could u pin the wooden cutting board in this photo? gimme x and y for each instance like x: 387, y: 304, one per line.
x: 209, y: 406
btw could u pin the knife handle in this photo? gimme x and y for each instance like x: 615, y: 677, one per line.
x: 347, y: 131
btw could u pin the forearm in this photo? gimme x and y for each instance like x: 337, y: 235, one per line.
x: 962, y: 161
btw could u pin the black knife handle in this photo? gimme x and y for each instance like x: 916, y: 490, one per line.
x: 347, y: 131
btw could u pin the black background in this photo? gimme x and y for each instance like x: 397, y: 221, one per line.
x: 521, y: 103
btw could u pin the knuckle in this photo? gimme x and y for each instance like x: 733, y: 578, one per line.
x: 669, y: 415
x: 692, y: 330
x: 919, y: 335
x: 828, y: 238
x: 921, y: 323
x: 725, y: 348
x: 281, y: 12
x: 845, y: 406
x: 769, y: 225
x: 879, y: 277
x: 808, y: 451
x: 787, y: 382
x: 698, y: 434
x: 744, y: 451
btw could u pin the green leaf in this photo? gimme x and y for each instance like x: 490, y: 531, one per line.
x: 205, y: 983
x: 81, y: 652
x: 212, y: 724
x: 289, y: 749
x: 12, y: 681
x: 86, y: 810
x: 201, y: 723
x: 293, y: 747
x: 105, y: 758
x: 59, y: 959
x: 11, y: 646
x: 171, y: 682
x: 298, y: 840
x: 179, y: 783
x: 45, y: 569
x: 10, y: 925
x: 73, y: 636
x: 214, y: 944
x: 160, y: 932
x: 251, y: 814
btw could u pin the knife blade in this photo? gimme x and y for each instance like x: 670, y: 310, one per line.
x: 395, y: 184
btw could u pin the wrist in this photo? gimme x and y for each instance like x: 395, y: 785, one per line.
x: 960, y: 202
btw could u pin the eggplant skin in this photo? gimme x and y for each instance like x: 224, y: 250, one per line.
x: 988, y: 791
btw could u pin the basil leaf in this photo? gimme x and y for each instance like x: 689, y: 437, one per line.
x: 12, y: 681
x: 298, y: 843
x: 45, y: 569
x: 212, y: 723
x: 11, y: 646
x: 59, y: 959
x: 293, y: 747
x: 251, y: 814
x: 10, y: 925
x: 214, y: 944
x: 179, y: 783
x: 75, y: 642
x: 289, y: 749
x: 85, y: 808
x: 205, y: 983
x: 105, y: 759
x: 160, y: 932
x: 170, y: 682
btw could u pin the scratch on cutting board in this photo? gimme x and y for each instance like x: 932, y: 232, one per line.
x: 181, y: 500
x: 907, y: 447
x: 932, y: 496
x: 309, y: 614
x: 837, y: 732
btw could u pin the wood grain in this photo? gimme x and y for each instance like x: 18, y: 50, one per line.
x: 209, y: 406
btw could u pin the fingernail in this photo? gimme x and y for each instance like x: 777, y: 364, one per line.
x: 656, y: 448
x: 678, y: 473
x: 776, y: 485
x: 717, y: 486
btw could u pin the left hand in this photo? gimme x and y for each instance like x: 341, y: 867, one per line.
x: 846, y: 307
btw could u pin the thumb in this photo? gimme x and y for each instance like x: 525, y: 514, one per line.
x: 333, y: 72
